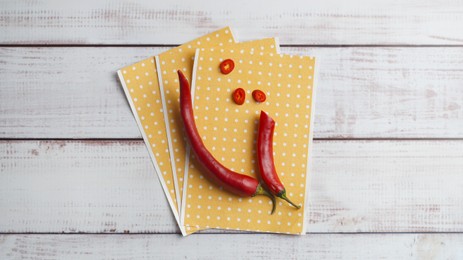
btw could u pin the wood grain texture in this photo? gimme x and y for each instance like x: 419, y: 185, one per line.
x: 110, y: 187
x: 362, y: 92
x: 173, y: 22
x: 207, y: 246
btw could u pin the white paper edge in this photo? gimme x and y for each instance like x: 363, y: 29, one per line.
x: 232, y: 34
x: 150, y: 151
x: 188, y: 149
x: 185, y: 178
x: 169, y: 137
x: 309, y: 174
x: 277, y: 44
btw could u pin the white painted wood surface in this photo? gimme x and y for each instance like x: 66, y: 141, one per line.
x: 363, y: 92
x: 208, y: 246
x: 402, y: 81
x: 171, y: 22
x: 111, y: 187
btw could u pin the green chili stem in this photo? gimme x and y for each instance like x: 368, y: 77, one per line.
x: 283, y: 196
x: 261, y: 191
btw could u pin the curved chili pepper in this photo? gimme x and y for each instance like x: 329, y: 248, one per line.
x: 234, y: 182
x: 265, y: 158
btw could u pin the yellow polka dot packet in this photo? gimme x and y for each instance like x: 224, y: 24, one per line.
x: 168, y: 64
x: 151, y: 87
x: 229, y: 131
x: 141, y: 86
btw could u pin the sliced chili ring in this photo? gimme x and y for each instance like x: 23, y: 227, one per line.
x: 239, y: 95
x: 227, y: 66
x: 259, y: 95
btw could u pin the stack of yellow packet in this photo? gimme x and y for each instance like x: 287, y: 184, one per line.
x: 229, y: 130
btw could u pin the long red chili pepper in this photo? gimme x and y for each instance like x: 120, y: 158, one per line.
x: 265, y: 158
x: 234, y: 182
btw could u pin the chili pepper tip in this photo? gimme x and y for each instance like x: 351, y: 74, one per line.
x: 283, y: 196
x: 261, y: 191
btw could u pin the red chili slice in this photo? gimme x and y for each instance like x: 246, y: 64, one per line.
x: 259, y: 95
x: 227, y: 66
x: 239, y: 95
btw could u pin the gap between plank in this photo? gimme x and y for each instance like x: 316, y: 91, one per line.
x: 228, y: 232
x: 315, y: 139
x: 282, y: 45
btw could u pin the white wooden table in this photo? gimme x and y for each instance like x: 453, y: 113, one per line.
x: 387, y: 182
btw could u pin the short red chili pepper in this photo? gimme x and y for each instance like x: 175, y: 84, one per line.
x: 239, y: 95
x: 227, y: 66
x: 234, y: 182
x: 265, y: 158
x: 259, y: 95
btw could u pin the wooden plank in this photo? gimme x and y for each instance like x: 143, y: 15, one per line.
x: 91, y: 186
x: 206, y: 246
x: 63, y: 91
x: 110, y: 187
x: 362, y: 92
x: 175, y: 22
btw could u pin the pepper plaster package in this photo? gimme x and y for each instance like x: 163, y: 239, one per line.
x: 280, y: 85
x: 229, y: 131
